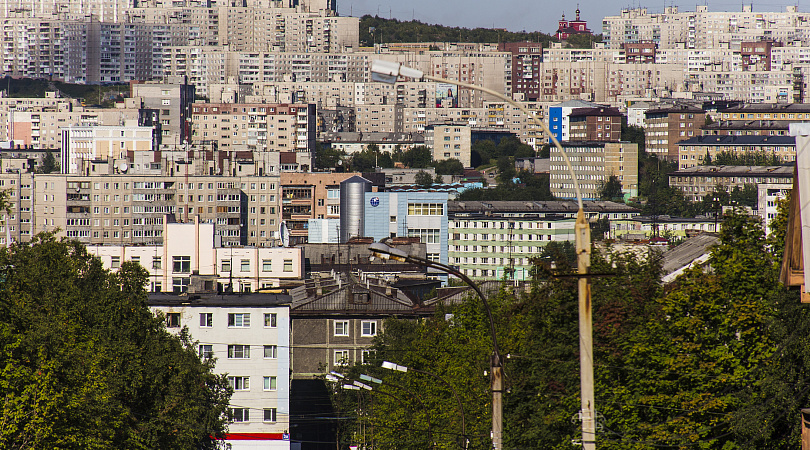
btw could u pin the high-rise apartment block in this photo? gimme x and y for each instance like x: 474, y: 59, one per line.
x: 594, y: 163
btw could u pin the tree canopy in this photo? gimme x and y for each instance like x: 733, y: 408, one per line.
x: 85, y: 363
x: 717, y: 359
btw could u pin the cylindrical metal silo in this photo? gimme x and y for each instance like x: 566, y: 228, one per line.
x: 352, y: 206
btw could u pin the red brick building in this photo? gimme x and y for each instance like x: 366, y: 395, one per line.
x: 568, y: 28
x: 527, y: 58
x: 595, y: 124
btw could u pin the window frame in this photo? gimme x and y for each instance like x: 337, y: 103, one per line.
x: 344, y: 324
x: 244, y: 321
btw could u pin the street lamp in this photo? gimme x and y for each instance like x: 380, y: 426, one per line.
x: 389, y: 72
x: 495, y: 363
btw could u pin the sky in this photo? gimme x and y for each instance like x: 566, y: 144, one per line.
x: 529, y: 15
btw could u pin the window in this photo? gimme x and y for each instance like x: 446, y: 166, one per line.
x: 341, y: 357
x: 270, y: 384
x: 166, y: 102
x: 239, y: 320
x: 206, y: 320
x: 288, y: 265
x: 267, y: 265
x: 115, y: 262
x: 425, y: 209
x: 427, y: 236
x: 240, y: 415
x: 239, y: 383
x: 269, y: 414
x: 271, y: 351
x: 270, y: 319
x: 245, y: 265
x: 226, y: 265
x: 181, y: 264
x: 206, y: 351
x: 238, y: 351
x: 341, y: 328
x: 173, y: 320
x: 156, y: 262
x: 179, y: 285
x: 369, y: 328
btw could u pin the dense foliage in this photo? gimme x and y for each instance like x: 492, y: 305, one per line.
x: 718, y: 359
x: 377, y: 29
x: 84, y: 364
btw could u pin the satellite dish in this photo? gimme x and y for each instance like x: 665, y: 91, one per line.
x: 123, y: 167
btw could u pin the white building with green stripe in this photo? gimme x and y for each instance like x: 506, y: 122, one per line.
x: 497, y: 239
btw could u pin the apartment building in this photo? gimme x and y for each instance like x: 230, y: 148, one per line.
x: 38, y: 123
x: 92, y: 143
x: 558, y: 117
x: 702, y: 28
x: 695, y: 182
x: 525, y: 68
x: 747, y: 128
x: 172, y: 97
x: 287, y: 128
x: 450, y: 141
x: 768, y: 197
x: 255, y: 355
x: 306, y: 196
x: 669, y: 125
x: 499, y: 239
x: 594, y: 163
x: 191, y: 257
x: 122, y: 208
x: 694, y: 151
x: 595, y: 124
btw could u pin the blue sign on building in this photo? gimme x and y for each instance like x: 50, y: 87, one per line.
x: 374, y: 201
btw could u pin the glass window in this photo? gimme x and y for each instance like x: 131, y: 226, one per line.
x: 206, y: 351
x: 206, y: 320
x: 238, y: 351
x: 240, y: 415
x: 270, y: 384
x: 271, y: 351
x: 341, y: 328
x: 269, y: 414
x: 239, y: 383
x: 173, y: 320
x: 369, y: 328
x: 267, y: 265
x: 239, y: 320
x: 179, y: 285
x: 288, y: 265
x: 341, y: 357
x: 270, y: 319
x: 226, y: 265
x: 181, y: 264
x: 245, y: 265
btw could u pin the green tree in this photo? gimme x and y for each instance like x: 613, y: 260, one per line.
x: 612, y: 189
x: 418, y: 157
x: 450, y: 166
x: 85, y: 363
x: 327, y: 157
x: 438, y: 179
x: 423, y: 179
x: 49, y: 163
x: 506, y: 170
x: 633, y: 133
x: 482, y: 152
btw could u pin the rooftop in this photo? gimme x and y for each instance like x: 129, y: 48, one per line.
x: 252, y: 299
x: 739, y: 140
x: 555, y: 206
x: 724, y: 171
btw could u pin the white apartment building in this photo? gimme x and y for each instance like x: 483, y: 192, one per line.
x: 702, y: 28
x: 83, y: 143
x: 249, y: 336
x: 193, y: 250
x: 594, y: 163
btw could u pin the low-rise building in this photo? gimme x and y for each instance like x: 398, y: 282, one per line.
x: 693, y: 152
x: 191, y: 253
x: 696, y: 182
x: 768, y: 197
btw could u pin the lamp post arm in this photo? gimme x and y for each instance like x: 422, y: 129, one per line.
x: 452, y: 271
x: 531, y: 116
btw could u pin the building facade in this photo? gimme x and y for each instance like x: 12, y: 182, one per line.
x: 594, y: 163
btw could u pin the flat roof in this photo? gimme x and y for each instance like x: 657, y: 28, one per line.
x: 724, y: 171
x: 249, y: 299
